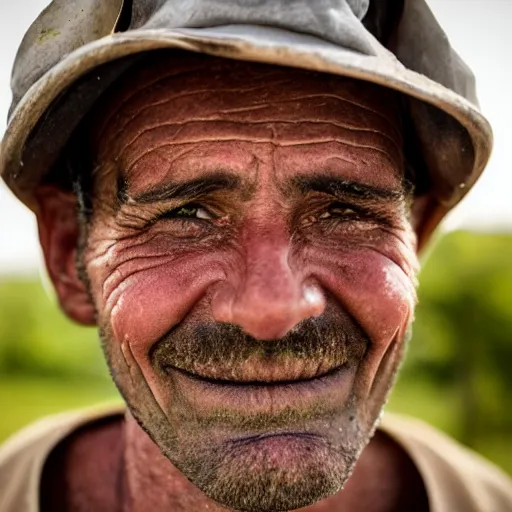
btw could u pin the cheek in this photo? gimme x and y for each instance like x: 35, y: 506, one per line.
x: 144, y: 297
x: 379, y: 291
x: 373, y: 289
x: 371, y: 274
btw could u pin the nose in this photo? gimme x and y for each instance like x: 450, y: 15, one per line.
x: 269, y: 298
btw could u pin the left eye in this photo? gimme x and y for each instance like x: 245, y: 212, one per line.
x: 340, y: 210
x: 189, y: 211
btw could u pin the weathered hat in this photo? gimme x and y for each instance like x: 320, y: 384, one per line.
x: 77, y: 48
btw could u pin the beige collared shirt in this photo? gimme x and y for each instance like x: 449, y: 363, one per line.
x: 456, y: 479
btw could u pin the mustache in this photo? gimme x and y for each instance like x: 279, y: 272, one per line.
x: 223, y: 351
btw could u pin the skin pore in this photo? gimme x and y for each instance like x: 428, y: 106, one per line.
x: 251, y: 266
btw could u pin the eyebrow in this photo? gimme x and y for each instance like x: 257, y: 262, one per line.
x: 342, y: 188
x: 185, y: 190
x: 328, y: 184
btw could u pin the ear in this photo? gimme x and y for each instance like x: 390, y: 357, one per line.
x: 59, y: 235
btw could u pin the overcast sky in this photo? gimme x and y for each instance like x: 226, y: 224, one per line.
x: 479, y: 30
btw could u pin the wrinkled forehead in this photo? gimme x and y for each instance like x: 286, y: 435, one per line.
x: 190, y: 85
x: 178, y: 115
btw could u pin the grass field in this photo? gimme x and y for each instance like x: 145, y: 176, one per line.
x: 23, y: 400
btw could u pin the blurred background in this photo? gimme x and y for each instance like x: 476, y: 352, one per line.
x: 457, y: 374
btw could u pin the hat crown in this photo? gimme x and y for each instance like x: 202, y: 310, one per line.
x: 335, y: 21
x: 202, y: 13
x: 191, y: 8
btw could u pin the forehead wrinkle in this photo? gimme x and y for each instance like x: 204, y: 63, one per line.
x: 169, y: 160
x: 271, y: 127
x: 341, y: 99
x: 397, y: 171
x: 369, y: 109
x: 344, y: 159
x: 256, y: 106
x: 259, y: 106
x: 276, y: 144
x: 158, y: 81
x: 270, y: 124
x: 130, y: 93
x: 129, y: 89
x: 159, y: 103
x: 305, y: 98
x: 128, y: 120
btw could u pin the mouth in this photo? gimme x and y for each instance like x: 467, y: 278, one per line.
x: 263, y: 378
x: 257, y: 405
x: 258, y: 369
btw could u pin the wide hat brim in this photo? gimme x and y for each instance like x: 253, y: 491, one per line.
x: 42, y: 121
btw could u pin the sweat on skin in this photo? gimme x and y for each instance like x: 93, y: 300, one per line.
x: 251, y: 266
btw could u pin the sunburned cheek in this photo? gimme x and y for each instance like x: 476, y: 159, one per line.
x: 374, y: 289
x: 381, y: 297
x: 151, y: 302
x: 147, y: 304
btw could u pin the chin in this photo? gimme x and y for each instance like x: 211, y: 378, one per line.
x: 271, y: 472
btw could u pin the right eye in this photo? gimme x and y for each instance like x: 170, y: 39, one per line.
x: 188, y: 211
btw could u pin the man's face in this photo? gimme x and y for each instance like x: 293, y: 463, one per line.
x: 252, y: 266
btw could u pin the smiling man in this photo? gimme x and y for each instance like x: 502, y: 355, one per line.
x: 235, y: 194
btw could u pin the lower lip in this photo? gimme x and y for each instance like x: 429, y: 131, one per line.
x: 313, y: 398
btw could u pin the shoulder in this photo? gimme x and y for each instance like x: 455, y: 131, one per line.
x: 22, y: 457
x: 456, y: 478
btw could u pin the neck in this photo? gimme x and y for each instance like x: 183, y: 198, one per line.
x: 152, y: 482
